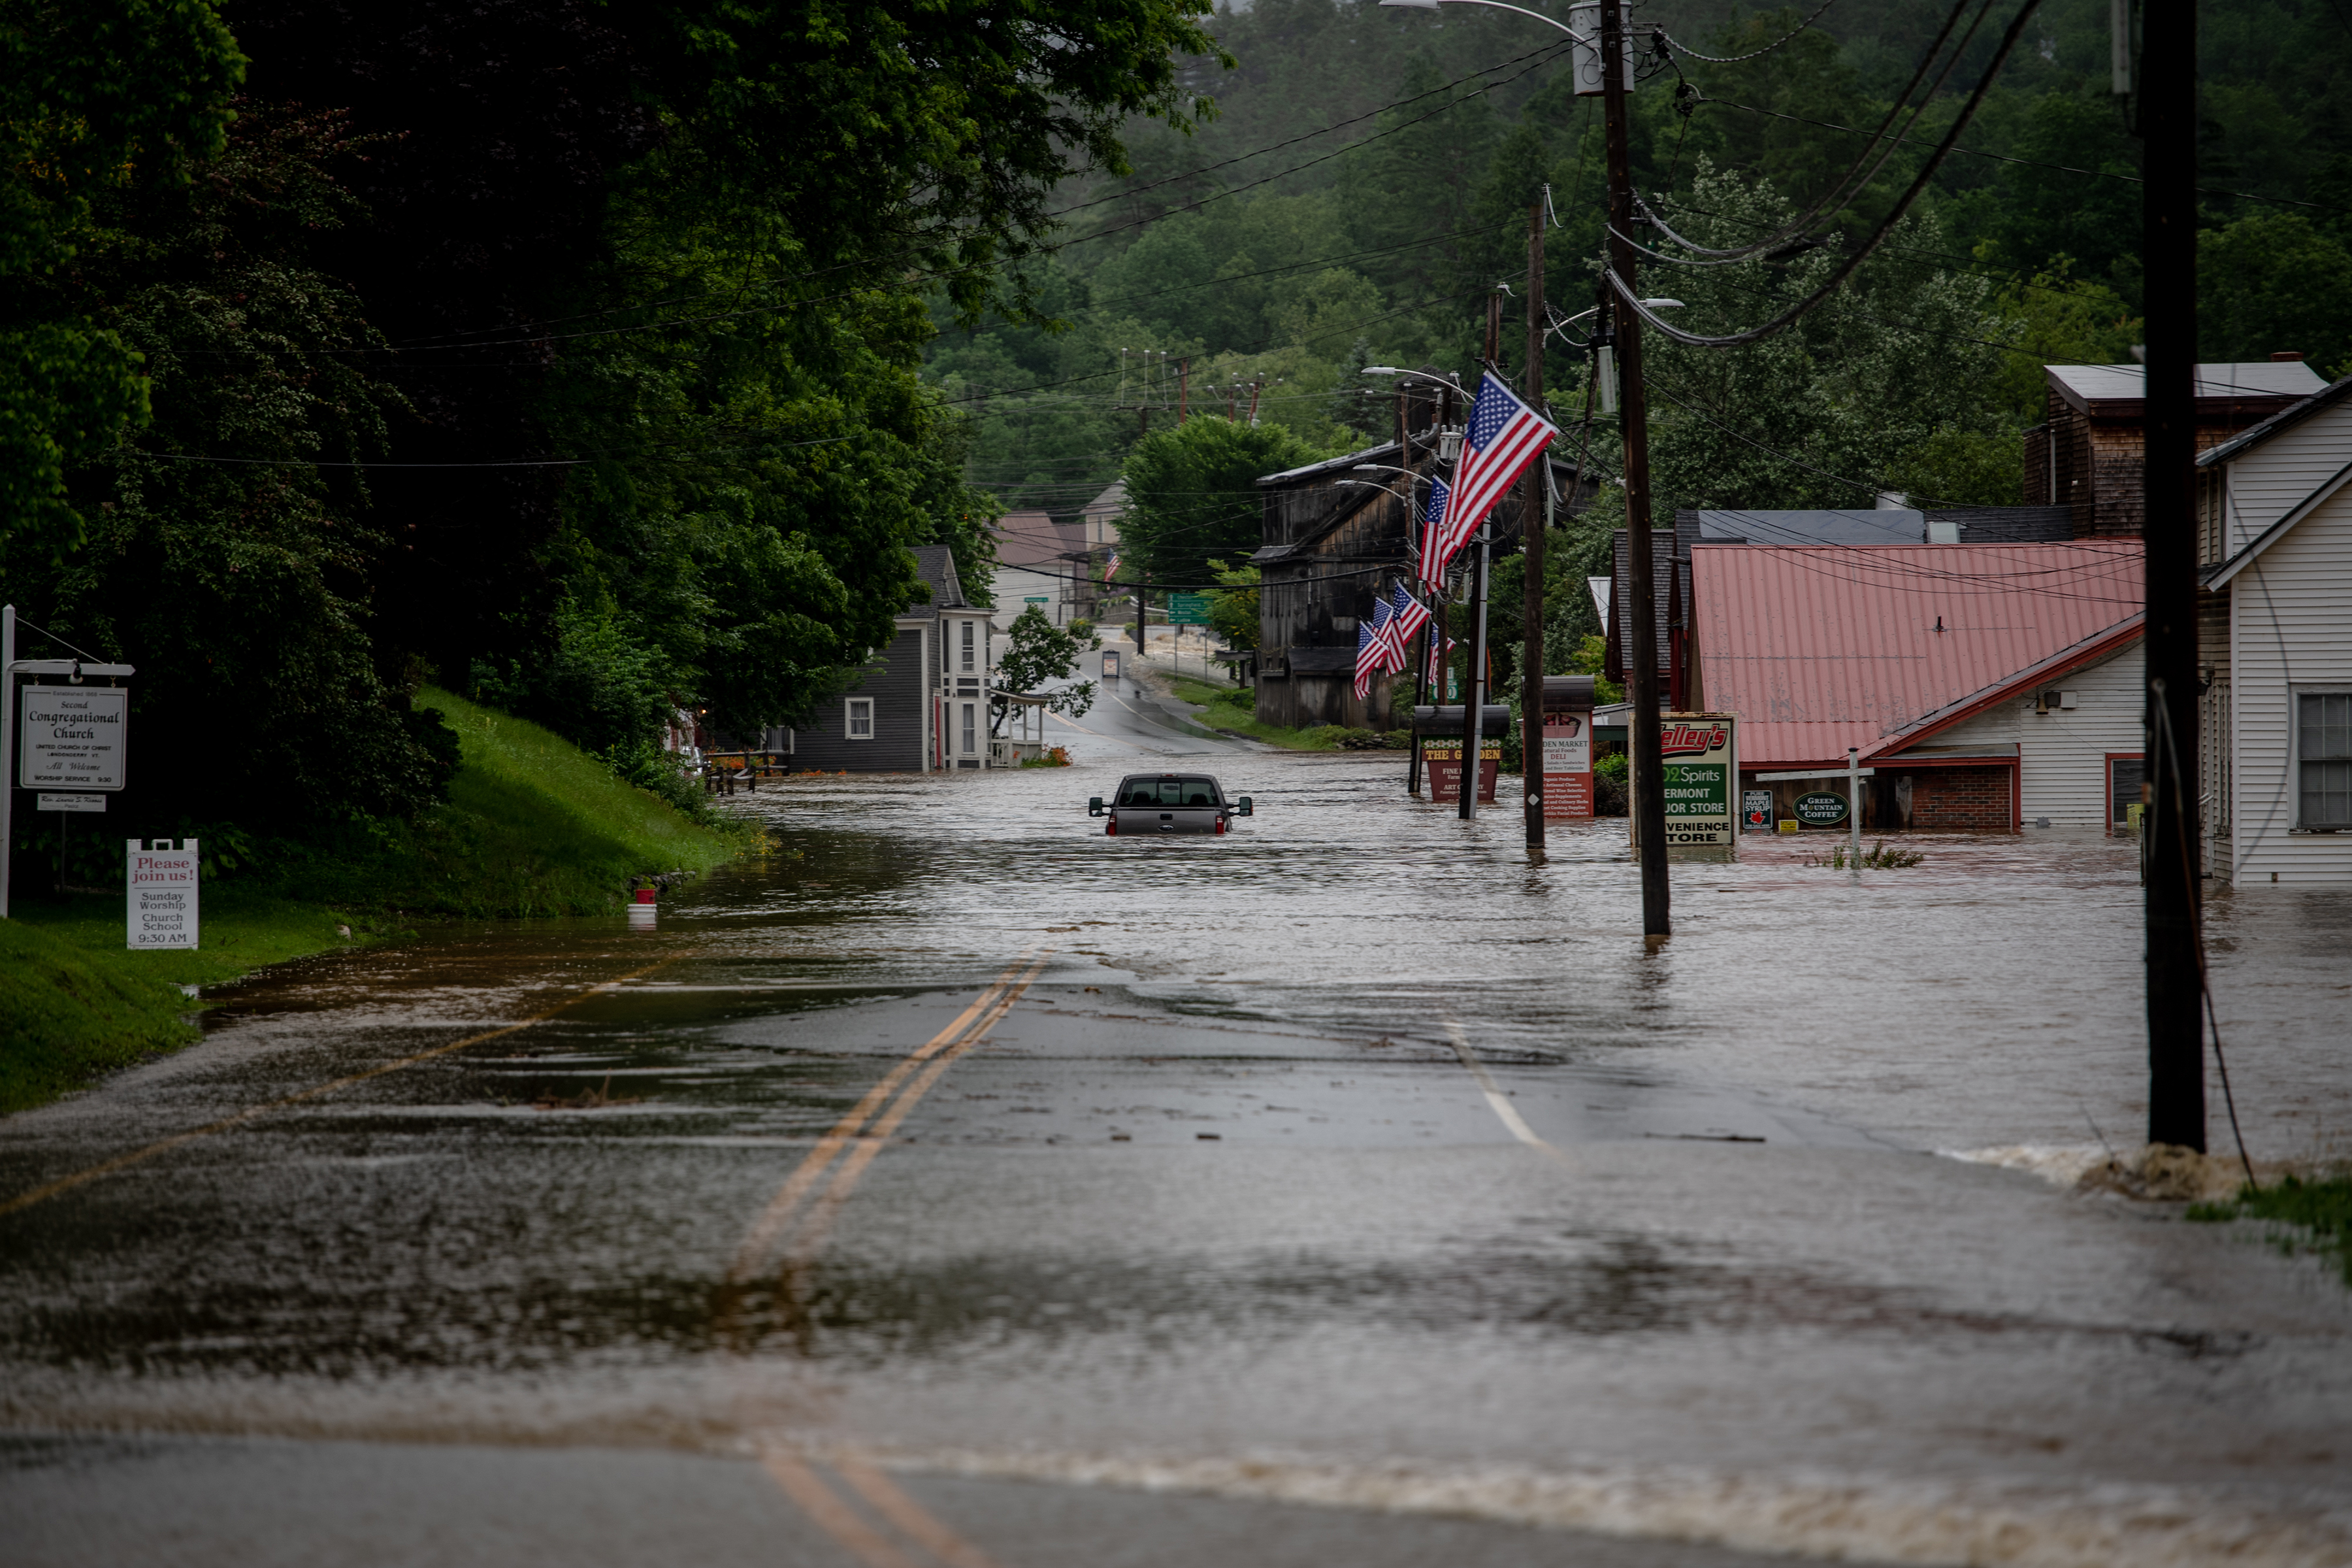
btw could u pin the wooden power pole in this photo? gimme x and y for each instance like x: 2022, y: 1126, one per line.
x: 2176, y: 1023
x: 1649, y: 781
x: 1531, y: 661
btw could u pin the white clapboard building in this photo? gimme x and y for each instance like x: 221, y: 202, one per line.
x: 2274, y: 542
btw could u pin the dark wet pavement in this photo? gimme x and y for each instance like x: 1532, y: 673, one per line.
x: 1259, y: 1199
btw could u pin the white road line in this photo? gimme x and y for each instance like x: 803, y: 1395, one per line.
x: 1505, y: 1111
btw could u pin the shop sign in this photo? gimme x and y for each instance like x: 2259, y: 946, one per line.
x: 1757, y: 815
x: 1701, y: 765
x: 1443, y: 758
x: 1567, y: 765
x: 72, y: 737
x: 1819, y: 808
x: 161, y: 903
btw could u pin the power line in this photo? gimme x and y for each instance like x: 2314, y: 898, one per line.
x: 1862, y: 253
x: 2029, y: 163
x: 1688, y: 52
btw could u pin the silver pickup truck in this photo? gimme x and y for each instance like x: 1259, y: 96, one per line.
x: 1167, y: 803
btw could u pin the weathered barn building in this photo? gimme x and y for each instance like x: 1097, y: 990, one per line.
x: 1334, y: 534
x: 2087, y: 455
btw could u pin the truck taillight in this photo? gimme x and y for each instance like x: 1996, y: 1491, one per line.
x: 1221, y: 823
x: 1110, y: 828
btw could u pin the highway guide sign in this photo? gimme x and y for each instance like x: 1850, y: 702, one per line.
x: 1188, y: 609
x: 73, y: 737
x: 160, y: 906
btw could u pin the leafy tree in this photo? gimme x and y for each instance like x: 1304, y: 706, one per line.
x: 2275, y: 282
x: 1234, y: 609
x: 233, y: 570
x: 1902, y: 362
x: 95, y: 96
x: 1037, y: 651
x: 1192, y: 496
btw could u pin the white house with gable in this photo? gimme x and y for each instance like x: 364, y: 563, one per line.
x: 2274, y: 544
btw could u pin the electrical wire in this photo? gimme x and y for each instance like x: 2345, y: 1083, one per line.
x: 1861, y: 252
x: 1309, y: 136
x: 1855, y: 177
x: 2029, y: 163
x: 1688, y: 52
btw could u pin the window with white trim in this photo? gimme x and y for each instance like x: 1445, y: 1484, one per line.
x: 970, y: 729
x: 967, y: 647
x: 858, y: 717
x: 2323, y: 761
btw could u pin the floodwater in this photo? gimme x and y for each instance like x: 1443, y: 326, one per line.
x: 1345, y: 1159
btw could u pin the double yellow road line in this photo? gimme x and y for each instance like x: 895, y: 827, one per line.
x: 893, y: 1530
x: 794, y: 1221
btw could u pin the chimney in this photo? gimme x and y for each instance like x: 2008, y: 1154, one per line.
x: 2284, y: 356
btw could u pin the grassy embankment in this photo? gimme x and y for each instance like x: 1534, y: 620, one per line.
x: 532, y: 827
x: 2312, y: 1216
x: 1232, y: 708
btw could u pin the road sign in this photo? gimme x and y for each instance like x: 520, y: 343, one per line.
x: 72, y: 802
x: 73, y: 737
x: 1819, y: 808
x: 1188, y: 609
x: 160, y: 906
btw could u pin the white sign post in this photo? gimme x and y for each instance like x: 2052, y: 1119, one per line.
x: 160, y: 903
x: 75, y: 778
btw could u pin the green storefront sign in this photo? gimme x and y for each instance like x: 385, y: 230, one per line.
x: 1819, y: 808
x: 1188, y: 609
x: 1696, y: 789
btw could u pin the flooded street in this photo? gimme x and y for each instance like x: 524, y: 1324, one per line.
x: 950, y: 1182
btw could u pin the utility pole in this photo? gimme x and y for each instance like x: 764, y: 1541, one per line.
x: 1634, y: 412
x: 1142, y: 593
x: 1531, y: 661
x: 1183, y: 388
x: 2176, y: 1023
x: 1474, y: 686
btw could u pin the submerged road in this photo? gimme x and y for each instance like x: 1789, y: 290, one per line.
x: 950, y: 1185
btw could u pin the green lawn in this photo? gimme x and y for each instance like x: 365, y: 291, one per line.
x: 1231, y: 708
x: 532, y: 827
x: 2312, y: 1216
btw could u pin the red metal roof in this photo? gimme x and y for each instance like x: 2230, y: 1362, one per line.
x: 1819, y: 648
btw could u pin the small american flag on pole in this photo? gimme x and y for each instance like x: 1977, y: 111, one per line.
x: 1504, y: 438
x: 1408, y: 616
x: 1370, y: 653
x: 1433, y: 515
x: 1111, y: 567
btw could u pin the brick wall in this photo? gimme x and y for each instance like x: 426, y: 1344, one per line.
x: 1947, y: 799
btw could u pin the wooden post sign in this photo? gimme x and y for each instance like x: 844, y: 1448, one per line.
x: 1441, y: 749
x: 1567, y: 747
x: 160, y: 903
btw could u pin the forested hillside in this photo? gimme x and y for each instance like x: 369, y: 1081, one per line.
x: 1366, y: 179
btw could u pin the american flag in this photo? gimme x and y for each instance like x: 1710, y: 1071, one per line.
x: 1371, y: 656
x: 1408, y: 616
x: 1433, y: 514
x: 1111, y: 567
x: 1504, y: 438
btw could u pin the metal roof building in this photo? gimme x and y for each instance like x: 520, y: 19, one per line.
x: 1928, y: 657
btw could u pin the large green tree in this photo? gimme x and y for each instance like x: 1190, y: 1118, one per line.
x: 1193, y: 497
x: 96, y: 97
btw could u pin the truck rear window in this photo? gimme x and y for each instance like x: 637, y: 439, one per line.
x: 1164, y: 793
